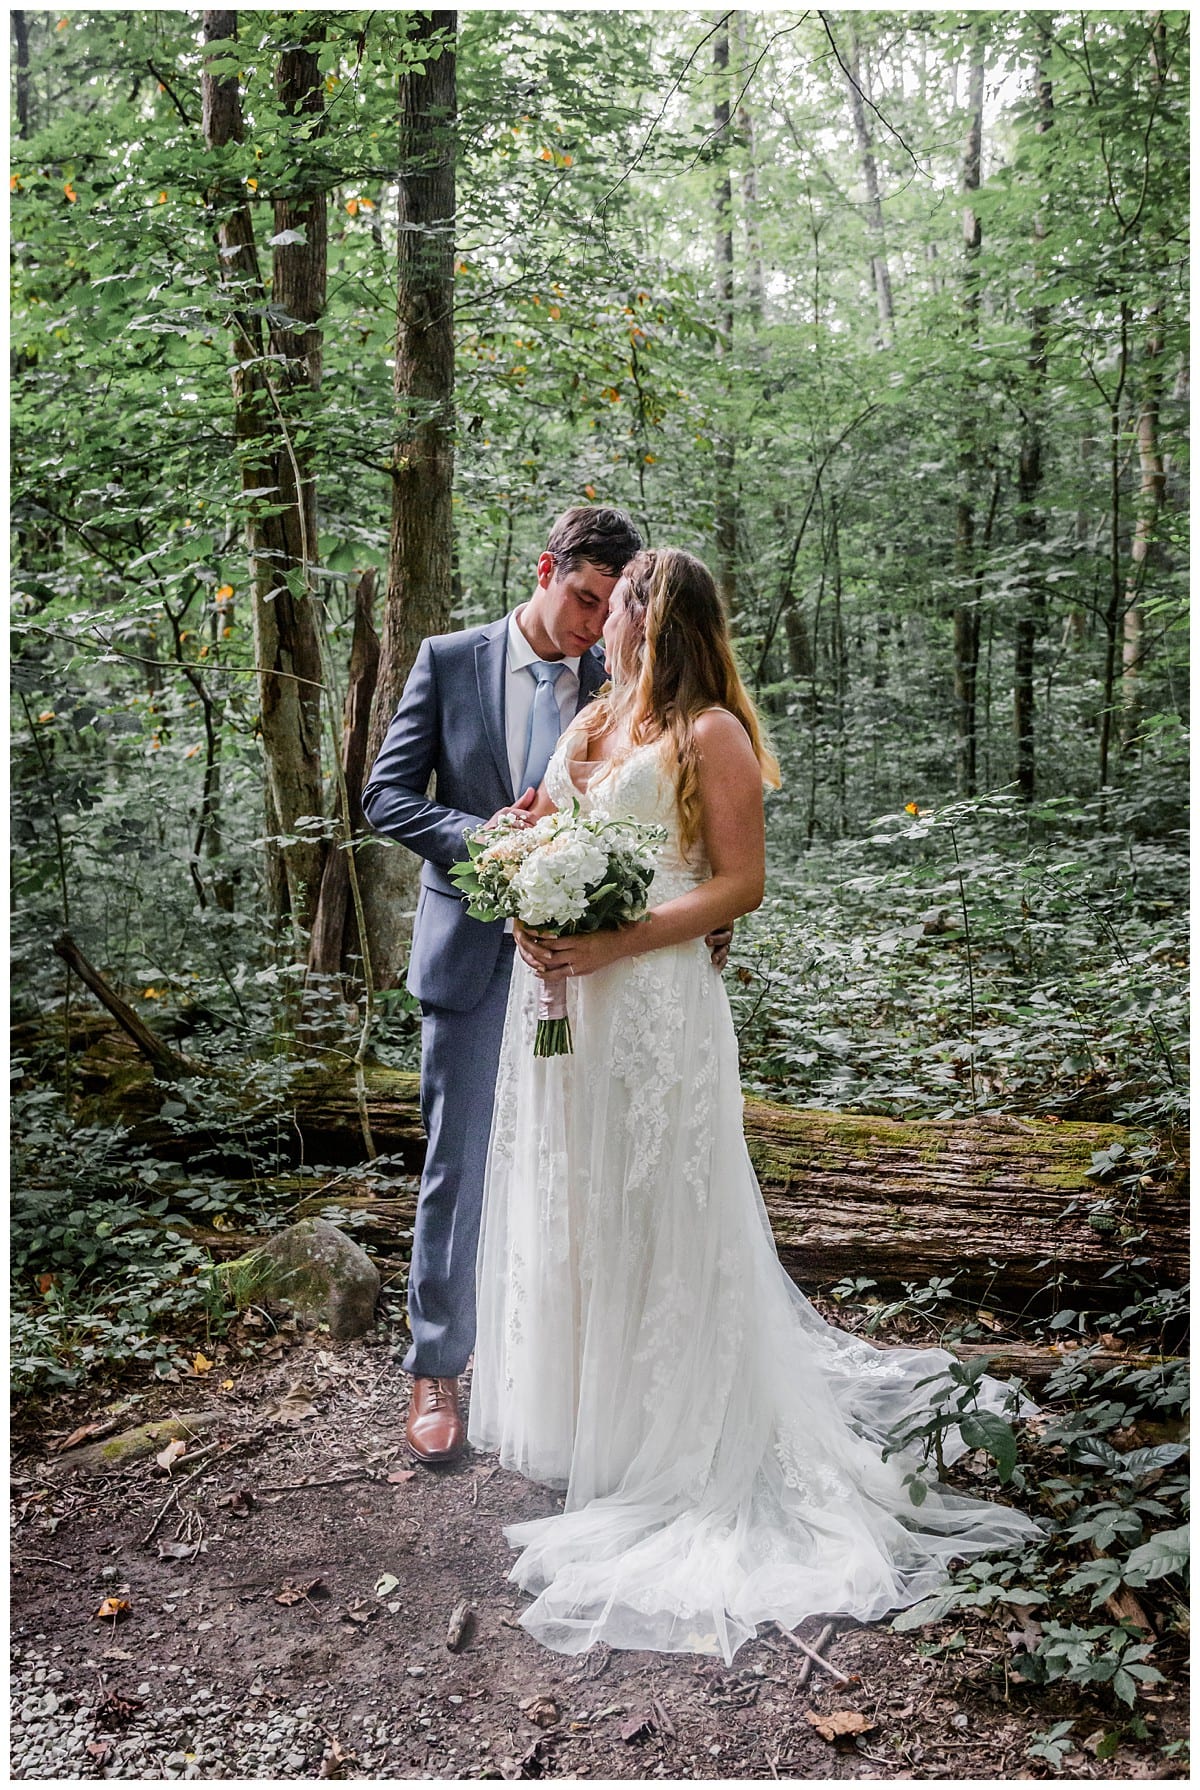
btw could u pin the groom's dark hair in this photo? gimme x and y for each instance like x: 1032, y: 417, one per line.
x: 604, y: 537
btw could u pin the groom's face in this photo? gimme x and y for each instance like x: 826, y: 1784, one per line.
x: 573, y: 605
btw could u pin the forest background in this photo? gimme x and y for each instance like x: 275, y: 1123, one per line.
x: 318, y: 320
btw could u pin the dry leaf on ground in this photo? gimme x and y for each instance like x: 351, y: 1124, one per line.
x: 458, y: 1629
x: 335, y: 1756
x: 181, y: 1550
x: 542, y: 1710
x: 116, y: 1607
x: 294, y: 1594
x: 839, y: 1724
x: 113, y: 1707
x: 238, y: 1503
x: 638, y: 1727
x: 84, y: 1433
x: 293, y: 1408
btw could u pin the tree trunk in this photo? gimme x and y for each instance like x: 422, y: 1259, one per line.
x: 1031, y: 523
x: 1112, y: 618
x: 282, y: 546
x: 966, y: 608
x: 755, y: 285
x: 334, y: 933
x: 1150, y: 462
x: 725, y: 494
x: 20, y: 27
x: 1153, y: 483
x: 881, y: 277
x: 421, y: 545
x: 799, y: 646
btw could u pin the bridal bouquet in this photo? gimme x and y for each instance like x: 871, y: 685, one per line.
x: 565, y: 874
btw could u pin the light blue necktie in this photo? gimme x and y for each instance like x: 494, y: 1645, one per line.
x: 545, y: 723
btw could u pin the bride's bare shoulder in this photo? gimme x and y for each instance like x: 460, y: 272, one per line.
x: 719, y: 730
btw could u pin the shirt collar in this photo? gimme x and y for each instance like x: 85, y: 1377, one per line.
x: 521, y: 654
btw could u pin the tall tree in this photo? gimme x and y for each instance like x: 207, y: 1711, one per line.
x: 420, y: 553
x: 751, y: 225
x: 1152, y: 472
x: 1030, y: 520
x: 334, y: 930
x: 1152, y: 485
x: 20, y: 28
x: 966, y: 604
x: 726, y: 495
x: 281, y: 529
x: 881, y: 278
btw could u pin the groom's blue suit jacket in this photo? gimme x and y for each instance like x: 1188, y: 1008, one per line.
x: 450, y: 725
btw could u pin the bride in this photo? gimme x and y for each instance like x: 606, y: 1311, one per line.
x: 721, y: 1446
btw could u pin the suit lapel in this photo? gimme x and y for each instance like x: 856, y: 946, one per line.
x: 591, y: 676
x: 491, y: 656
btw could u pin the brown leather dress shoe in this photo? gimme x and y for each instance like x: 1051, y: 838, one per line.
x: 434, y: 1429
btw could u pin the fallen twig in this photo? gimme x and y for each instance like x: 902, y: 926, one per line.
x: 168, y: 1064
x: 813, y: 1656
x: 187, y: 1459
x: 806, y: 1666
x: 47, y: 1560
x: 311, y: 1485
x: 171, y: 1498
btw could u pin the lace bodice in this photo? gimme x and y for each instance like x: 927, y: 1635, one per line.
x: 641, y: 787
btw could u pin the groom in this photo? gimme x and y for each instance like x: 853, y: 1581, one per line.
x: 481, y: 711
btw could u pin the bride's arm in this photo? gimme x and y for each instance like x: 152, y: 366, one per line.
x: 731, y: 826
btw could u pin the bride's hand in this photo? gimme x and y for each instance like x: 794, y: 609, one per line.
x: 577, y: 955
x: 528, y: 947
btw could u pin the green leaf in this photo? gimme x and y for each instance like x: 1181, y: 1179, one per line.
x: 1167, y: 1552
x: 984, y: 1429
x: 930, y: 1609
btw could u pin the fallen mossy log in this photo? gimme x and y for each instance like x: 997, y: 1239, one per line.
x: 998, y: 1201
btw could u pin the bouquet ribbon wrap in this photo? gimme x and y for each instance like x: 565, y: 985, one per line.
x: 553, y: 1035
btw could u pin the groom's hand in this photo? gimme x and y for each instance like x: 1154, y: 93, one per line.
x: 518, y: 810
x: 718, y: 942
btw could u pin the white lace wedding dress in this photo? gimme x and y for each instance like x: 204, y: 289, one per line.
x: 640, y: 1345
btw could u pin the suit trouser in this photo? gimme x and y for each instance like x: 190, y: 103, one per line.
x: 460, y: 1054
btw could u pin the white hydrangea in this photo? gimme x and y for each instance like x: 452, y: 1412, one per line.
x: 551, y: 885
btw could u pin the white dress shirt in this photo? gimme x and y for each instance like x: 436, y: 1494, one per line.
x: 520, y: 687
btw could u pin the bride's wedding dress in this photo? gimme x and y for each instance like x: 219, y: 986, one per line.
x: 640, y: 1345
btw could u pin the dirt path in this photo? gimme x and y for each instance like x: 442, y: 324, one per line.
x: 210, y: 1674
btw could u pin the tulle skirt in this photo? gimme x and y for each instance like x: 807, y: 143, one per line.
x: 720, y: 1444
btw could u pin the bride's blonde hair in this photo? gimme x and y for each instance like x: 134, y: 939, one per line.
x: 674, y: 660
